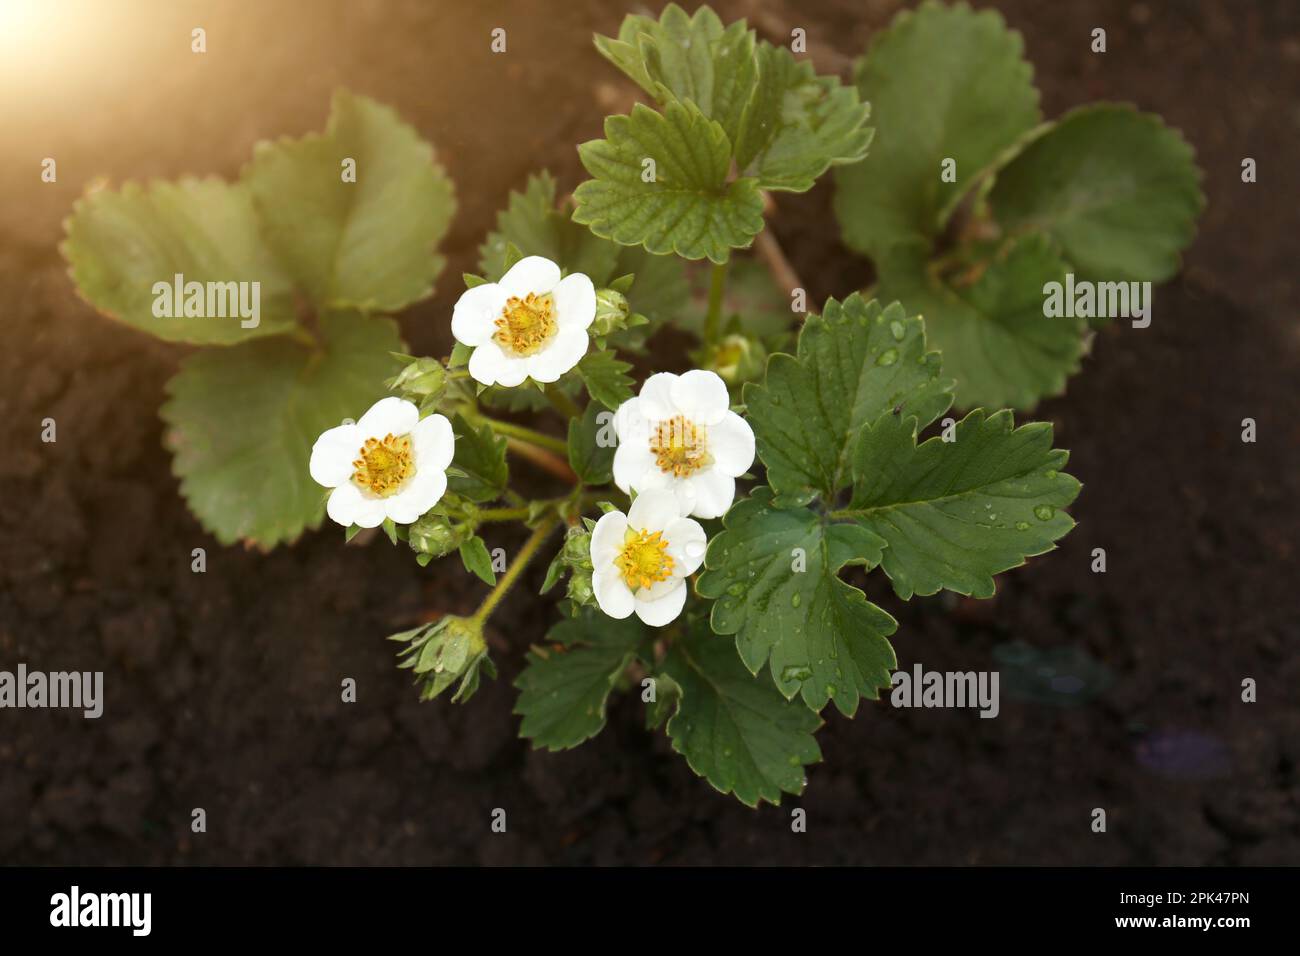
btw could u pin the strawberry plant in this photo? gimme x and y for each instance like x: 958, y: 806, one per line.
x: 714, y: 525
x: 973, y: 205
x: 321, y: 239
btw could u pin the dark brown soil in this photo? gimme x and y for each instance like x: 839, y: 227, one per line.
x: 223, y: 688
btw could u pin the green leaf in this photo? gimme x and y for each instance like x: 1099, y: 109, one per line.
x: 664, y: 704
x: 119, y: 244
x: 853, y: 363
x: 798, y: 124
x: 536, y: 227
x: 956, y: 513
x: 689, y: 208
x: 554, y: 571
x: 534, y: 223
x: 241, y: 423
x: 995, y: 340
x: 367, y: 244
x: 660, y: 291
x: 564, y: 689
x: 946, y: 83
x: 593, y: 462
x: 606, y: 378
x: 477, y: 560
x: 481, y: 455
x: 688, y: 58
x: 735, y: 730
x: 1117, y: 190
x: 774, y: 575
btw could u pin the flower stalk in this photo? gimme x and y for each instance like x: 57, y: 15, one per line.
x: 516, y: 568
x: 717, y: 286
x: 566, y: 406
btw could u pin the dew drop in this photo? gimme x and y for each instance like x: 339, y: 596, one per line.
x: 794, y: 600
x: 1022, y: 525
x: 888, y: 357
x: 898, y: 330
x: 1044, y: 512
x: 793, y: 672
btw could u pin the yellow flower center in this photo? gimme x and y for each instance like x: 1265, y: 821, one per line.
x: 384, y: 465
x: 644, y: 558
x: 525, y: 325
x: 680, y: 447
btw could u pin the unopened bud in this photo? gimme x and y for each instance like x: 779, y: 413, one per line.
x: 435, y: 535
x: 580, y: 589
x: 738, y: 359
x: 577, y: 548
x: 611, y: 312
x: 422, y: 378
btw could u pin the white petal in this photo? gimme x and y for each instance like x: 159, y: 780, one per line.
x: 653, y: 510
x: 531, y: 274
x: 632, y: 459
x: 475, y: 311
x: 388, y: 416
x: 686, y: 545
x: 491, y: 366
x: 575, y: 301
x: 612, y: 593
x: 657, y: 397
x: 629, y: 422
x: 348, y: 506
x: 661, y: 610
x: 701, y: 396
x: 419, y: 495
x: 714, y: 492
x: 512, y: 372
x: 731, y: 443
x: 607, y: 539
x: 434, y: 443
x: 683, y: 488
x: 560, y: 354
x: 333, y: 454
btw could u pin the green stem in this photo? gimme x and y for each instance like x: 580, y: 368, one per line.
x: 562, y: 403
x: 502, y: 514
x: 717, y: 286
x: 516, y: 568
x: 525, y: 434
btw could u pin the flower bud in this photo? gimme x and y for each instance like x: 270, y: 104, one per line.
x: 422, y: 378
x: 577, y: 548
x: 580, y: 590
x: 442, y: 653
x: 738, y: 359
x: 434, y: 535
x: 611, y: 312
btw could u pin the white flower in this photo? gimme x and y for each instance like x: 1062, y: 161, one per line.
x: 641, y: 559
x: 390, y: 464
x: 531, y: 324
x: 679, y: 434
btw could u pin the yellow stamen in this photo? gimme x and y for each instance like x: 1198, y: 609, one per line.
x: 644, y: 558
x: 680, y: 446
x: 525, y: 325
x: 384, y: 465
